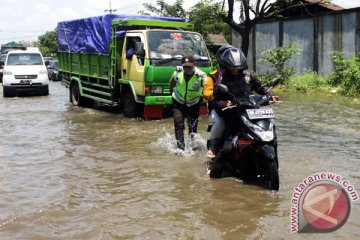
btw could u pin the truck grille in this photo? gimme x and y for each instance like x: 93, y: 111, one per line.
x: 25, y: 76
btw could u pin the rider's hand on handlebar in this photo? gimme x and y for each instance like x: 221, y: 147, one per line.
x: 275, y: 98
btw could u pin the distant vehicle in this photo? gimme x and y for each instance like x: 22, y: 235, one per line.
x: 47, y: 60
x: 53, y: 70
x: 25, y: 73
x: 11, y: 46
x: 2, y: 61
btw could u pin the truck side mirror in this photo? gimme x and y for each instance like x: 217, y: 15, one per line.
x: 139, y: 49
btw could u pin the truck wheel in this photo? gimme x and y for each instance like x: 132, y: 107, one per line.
x: 130, y: 106
x: 77, y: 99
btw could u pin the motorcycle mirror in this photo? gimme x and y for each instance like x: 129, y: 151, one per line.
x: 222, y: 88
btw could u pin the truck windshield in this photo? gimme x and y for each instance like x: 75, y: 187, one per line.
x: 166, y: 48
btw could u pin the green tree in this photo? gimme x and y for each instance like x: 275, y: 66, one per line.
x: 48, y: 43
x: 161, y: 8
x: 207, y: 17
x: 255, y: 11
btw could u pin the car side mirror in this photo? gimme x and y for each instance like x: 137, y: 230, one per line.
x: 139, y: 49
x: 2, y: 63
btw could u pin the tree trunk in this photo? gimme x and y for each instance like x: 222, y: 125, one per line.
x: 245, y: 40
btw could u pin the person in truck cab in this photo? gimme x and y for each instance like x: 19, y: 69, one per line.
x: 186, y: 87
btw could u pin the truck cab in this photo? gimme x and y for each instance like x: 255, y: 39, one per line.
x: 132, y: 63
x: 154, y: 58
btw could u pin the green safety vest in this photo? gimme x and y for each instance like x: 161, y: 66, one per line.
x: 189, y: 92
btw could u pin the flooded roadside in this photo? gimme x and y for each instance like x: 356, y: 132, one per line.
x: 77, y: 173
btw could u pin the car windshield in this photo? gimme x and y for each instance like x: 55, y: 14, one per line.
x: 166, y: 48
x: 24, y: 59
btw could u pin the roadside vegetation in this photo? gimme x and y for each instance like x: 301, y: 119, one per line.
x: 344, y: 80
x: 346, y: 76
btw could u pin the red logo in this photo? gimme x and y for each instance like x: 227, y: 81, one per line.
x: 325, y: 208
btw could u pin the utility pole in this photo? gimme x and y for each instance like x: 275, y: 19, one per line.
x: 110, y: 10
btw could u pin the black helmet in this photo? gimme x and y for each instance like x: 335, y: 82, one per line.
x: 233, y: 58
x: 220, y: 51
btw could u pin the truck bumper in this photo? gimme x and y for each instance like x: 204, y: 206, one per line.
x: 158, y: 100
x: 156, y: 107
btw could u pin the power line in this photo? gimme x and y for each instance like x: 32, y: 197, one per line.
x: 20, y: 30
x: 110, y: 10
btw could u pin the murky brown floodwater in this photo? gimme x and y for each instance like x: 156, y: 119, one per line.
x: 75, y: 173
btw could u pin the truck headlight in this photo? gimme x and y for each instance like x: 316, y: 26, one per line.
x: 157, y: 89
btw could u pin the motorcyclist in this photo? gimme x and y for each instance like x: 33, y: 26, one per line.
x: 241, y: 84
x: 218, y: 124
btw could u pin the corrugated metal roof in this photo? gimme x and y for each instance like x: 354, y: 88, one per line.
x: 326, y: 4
x: 217, y: 39
x: 347, y: 4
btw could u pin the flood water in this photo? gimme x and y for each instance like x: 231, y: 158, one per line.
x: 78, y: 173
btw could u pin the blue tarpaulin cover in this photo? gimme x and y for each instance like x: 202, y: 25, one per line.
x: 93, y: 35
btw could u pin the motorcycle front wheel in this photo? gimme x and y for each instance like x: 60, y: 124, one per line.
x: 272, y: 176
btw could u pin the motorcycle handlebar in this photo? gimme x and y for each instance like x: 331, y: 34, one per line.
x: 235, y: 105
x: 229, y: 107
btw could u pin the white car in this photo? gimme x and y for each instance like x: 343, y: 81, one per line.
x: 25, y: 73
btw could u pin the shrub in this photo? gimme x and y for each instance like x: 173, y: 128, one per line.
x: 306, y: 81
x: 346, y: 75
x: 278, y: 57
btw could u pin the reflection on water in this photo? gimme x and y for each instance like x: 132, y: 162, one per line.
x: 76, y: 173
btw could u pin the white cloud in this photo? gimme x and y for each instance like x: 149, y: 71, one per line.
x: 26, y: 19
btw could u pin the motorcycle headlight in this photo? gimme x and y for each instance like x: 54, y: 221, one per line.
x: 265, y: 135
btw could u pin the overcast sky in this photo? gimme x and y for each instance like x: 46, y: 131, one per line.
x: 27, y: 19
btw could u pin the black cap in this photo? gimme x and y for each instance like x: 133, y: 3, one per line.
x: 188, y: 61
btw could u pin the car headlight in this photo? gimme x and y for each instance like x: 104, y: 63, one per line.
x: 43, y: 72
x: 7, y: 72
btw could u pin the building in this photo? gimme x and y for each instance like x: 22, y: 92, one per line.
x: 318, y: 29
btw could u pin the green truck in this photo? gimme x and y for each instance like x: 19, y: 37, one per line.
x: 126, y: 60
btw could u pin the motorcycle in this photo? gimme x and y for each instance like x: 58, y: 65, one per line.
x: 253, y: 156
